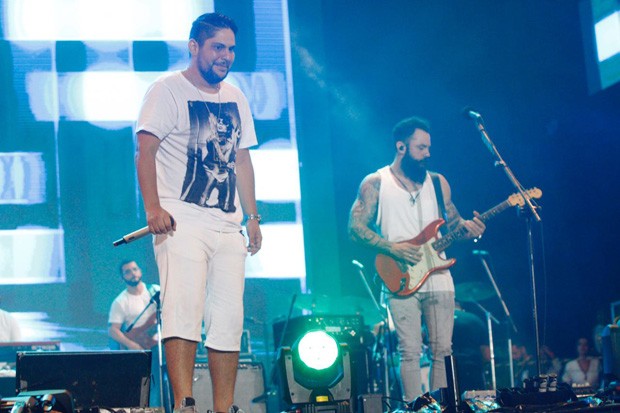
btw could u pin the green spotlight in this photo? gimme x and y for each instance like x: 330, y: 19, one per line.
x: 315, y: 374
x: 318, y: 350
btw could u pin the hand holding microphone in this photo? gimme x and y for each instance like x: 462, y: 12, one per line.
x: 142, y: 232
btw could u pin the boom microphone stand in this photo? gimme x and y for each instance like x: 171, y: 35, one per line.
x: 165, y: 402
x: 530, y: 208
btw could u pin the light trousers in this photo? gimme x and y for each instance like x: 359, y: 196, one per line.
x: 437, y: 308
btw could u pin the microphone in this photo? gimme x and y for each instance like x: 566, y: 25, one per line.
x: 155, y: 297
x: 480, y: 252
x: 132, y: 236
x: 142, y: 232
x: 357, y: 264
x: 469, y: 113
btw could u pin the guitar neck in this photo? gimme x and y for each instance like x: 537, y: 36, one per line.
x: 444, y: 242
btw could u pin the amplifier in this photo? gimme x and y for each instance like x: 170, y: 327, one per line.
x: 250, y: 393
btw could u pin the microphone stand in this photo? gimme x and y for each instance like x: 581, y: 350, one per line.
x: 533, y: 213
x: 138, y: 317
x: 281, y: 340
x: 160, y: 351
x: 487, y: 269
x: 384, y: 331
x: 165, y: 402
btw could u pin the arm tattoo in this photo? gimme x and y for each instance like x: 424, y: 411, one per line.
x: 454, y: 218
x: 364, y: 213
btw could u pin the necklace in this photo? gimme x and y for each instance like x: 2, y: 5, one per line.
x: 220, y: 123
x: 412, y: 198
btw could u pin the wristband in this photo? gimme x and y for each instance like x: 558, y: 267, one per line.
x: 256, y: 217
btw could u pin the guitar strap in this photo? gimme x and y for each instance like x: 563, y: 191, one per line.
x: 440, y: 203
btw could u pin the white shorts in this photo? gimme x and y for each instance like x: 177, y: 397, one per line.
x: 201, y: 275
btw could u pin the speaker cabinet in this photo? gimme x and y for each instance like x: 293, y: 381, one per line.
x: 249, y: 388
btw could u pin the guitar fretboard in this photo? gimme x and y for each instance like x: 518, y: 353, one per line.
x: 461, y: 232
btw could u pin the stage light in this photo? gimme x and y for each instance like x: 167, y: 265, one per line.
x: 318, y: 350
x: 43, y: 401
x: 315, y: 372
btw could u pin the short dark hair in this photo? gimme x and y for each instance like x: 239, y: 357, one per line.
x: 122, y: 264
x: 406, y: 127
x: 206, y: 25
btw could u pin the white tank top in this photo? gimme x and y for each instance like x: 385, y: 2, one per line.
x: 398, y: 220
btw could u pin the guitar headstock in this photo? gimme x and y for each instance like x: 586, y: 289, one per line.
x: 517, y: 199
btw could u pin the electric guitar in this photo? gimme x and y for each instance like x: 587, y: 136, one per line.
x: 403, y: 279
x: 143, y: 334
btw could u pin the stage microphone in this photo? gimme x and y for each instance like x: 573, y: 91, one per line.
x: 469, y: 113
x: 142, y: 232
x: 155, y: 297
x: 358, y: 264
x: 480, y: 252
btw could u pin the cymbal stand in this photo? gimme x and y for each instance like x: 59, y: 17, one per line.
x: 487, y: 269
x: 490, y: 320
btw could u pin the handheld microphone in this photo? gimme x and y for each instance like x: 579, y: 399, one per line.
x: 132, y: 236
x: 469, y: 113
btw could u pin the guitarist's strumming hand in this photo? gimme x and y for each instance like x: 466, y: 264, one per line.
x: 475, y: 227
x: 406, y: 252
x: 132, y: 345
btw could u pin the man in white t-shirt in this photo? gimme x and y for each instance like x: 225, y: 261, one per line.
x: 394, y: 205
x: 197, y: 180
x: 128, y: 309
x: 132, y: 321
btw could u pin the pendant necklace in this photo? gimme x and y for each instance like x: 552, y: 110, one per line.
x: 412, y: 198
x: 220, y: 124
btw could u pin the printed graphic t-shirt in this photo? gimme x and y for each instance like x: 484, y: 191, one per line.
x: 200, y: 134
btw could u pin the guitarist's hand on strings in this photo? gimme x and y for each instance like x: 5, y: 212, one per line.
x: 475, y: 227
x: 406, y: 252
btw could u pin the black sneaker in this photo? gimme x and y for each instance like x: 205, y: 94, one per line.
x: 188, y: 405
x: 235, y: 409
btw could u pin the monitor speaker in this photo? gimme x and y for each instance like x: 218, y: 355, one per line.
x: 250, y: 393
x: 93, y: 378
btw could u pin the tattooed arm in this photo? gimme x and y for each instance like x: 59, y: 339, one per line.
x: 475, y: 227
x: 364, y: 214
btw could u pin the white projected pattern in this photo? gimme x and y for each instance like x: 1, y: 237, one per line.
x: 608, y: 36
x: 101, y: 20
x: 119, y: 95
x: 22, y: 178
x: 32, y: 256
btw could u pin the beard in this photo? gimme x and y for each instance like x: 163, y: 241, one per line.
x: 414, y: 170
x: 132, y: 283
x: 211, y: 77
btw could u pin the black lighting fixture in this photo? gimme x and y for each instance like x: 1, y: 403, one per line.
x: 42, y: 401
x: 315, y: 374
